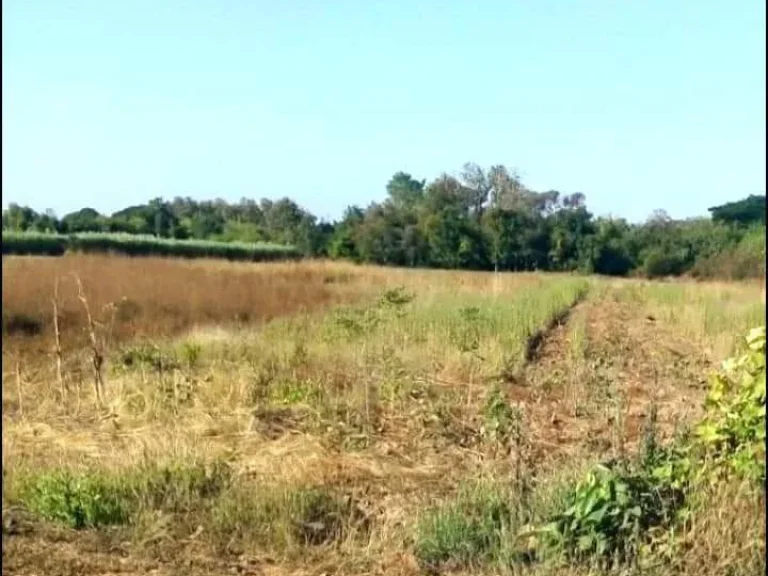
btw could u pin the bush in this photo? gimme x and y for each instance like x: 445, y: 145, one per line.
x: 609, y: 512
x: 659, y: 263
x: 744, y: 260
x: 731, y: 436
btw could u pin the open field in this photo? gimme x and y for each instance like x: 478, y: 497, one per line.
x: 317, y: 418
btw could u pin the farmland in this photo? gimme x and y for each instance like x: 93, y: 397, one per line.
x: 211, y: 417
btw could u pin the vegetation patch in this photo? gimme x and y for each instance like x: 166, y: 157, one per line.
x: 466, y: 531
x: 286, y: 518
x: 618, y: 510
x: 95, y: 497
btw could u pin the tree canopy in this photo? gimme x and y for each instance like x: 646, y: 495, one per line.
x: 480, y: 219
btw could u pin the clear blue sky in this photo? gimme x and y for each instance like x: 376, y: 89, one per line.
x: 639, y: 104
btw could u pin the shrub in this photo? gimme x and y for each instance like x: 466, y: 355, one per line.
x: 731, y: 436
x: 608, y: 513
x: 30, y: 243
x: 659, y: 263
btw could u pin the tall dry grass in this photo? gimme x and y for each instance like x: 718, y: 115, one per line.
x: 153, y: 297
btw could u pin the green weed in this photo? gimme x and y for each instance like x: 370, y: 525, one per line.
x: 465, y: 532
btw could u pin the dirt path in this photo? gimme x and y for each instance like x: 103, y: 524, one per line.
x: 597, y: 378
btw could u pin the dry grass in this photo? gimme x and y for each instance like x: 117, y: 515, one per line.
x: 340, y: 425
x: 154, y: 297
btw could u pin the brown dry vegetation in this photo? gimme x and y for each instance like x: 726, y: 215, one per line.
x: 153, y: 297
x: 381, y: 410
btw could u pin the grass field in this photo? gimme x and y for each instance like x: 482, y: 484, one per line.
x: 321, y: 418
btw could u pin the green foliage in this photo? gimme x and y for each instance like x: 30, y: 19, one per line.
x: 354, y: 322
x: 94, y: 497
x: 396, y: 298
x: 79, y: 501
x: 466, y: 531
x: 659, y: 263
x: 485, y: 219
x: 147, y: 356
x: 606, y: 515
x: 500, y: 420
x: 732, y: 433
x: 178, y: 487
x: 34, y: 243
x: 748, y: 211
x: 465, y: 333
x: 736, y: 260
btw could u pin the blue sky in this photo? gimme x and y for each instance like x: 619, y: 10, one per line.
x: 639, y: 105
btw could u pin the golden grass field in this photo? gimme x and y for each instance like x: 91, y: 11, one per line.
x: 315, y: 418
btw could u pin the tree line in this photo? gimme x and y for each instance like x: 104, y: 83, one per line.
x: 480, y: 219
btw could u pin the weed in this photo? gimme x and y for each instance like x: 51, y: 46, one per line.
x: 465, y: 532
x: 190, y: 354
x: 147, y: 356
x: 94, y: 497
x: 500, y: 419
x: 285, y: 518
x: 78, y: 500
x: 732, y: 434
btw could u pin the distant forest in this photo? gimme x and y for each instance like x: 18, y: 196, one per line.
x: 483, y: 219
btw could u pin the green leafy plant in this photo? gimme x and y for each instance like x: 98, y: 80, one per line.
x: 732, y: 433
x: 79, y: 500
x: 606, y: 514
x: 92, y: 498
x: 500, y: 420
x: 396, y: 299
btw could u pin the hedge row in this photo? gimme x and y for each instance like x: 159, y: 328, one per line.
x: 133, y: 245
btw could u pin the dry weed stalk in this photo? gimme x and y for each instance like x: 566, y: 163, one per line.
x: 57, y: 341
x: 97, y: 356
x: 18, y: 389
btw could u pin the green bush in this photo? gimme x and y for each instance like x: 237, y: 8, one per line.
x: 744, y: 260
x: 731, y: 436
x: 659, y: 263
x: 609, y: 512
